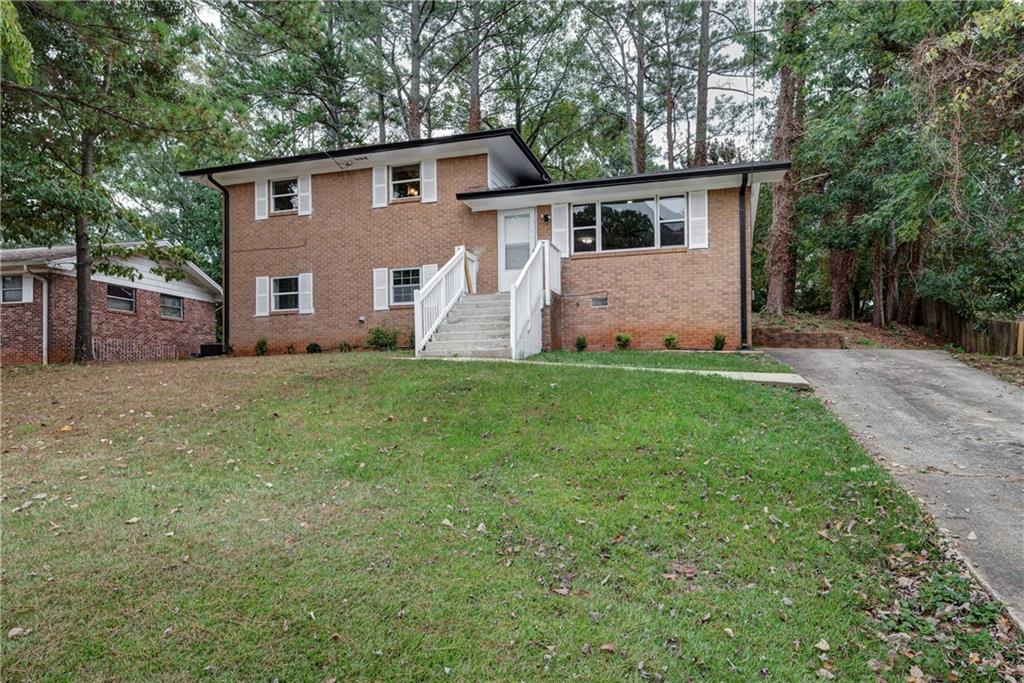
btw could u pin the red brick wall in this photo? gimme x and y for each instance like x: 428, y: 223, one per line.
x: 340, y: 244
x: 691, y: 294
x: 142, y: 335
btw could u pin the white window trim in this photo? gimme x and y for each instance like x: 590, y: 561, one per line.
x: 181, y: 307
x: 657, y: 225
x: 391, y: 285
x: 134, y: 299
x: 418, y: 179
x: 21, y: 298
x: 271, y: 196
x: 274, y: 295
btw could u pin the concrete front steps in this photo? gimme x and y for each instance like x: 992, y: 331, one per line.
x: 476, y: 327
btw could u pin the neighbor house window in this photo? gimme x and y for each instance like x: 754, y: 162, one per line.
x: 284, y: 195
x: 672, y: 217
x: 627, y: 225
x: 120, y: 298
x: 285, y: 294
x: 12, y: 293
x: 645, y: 223
x: 170, y: 307
x: 405, y: 181
x: 404, y: 281
x: 584, y: 227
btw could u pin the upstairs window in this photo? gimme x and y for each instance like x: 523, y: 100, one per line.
x: 405, y: 181
x: 627, y: 225
x: 12, y: 289
x: 672, y: 215
x: 404, y: 282
x: 285, y: 294
x: 171, y: 307
x: 284, y: 195
x: 120, y: 298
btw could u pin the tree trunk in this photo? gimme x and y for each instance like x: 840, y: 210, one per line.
x: 415, y: 98
x: 670, y: 100
x: 841, y: 263
x: 473, y: 125
x: 878, y: 283
x: 700, y: 148
x: 83, y: 263
x: 640, y: 140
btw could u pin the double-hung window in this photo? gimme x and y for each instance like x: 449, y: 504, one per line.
x: 645, y: 223
x: 12, y: 289
x: 284, y: 195
x: 120, y: 298
x: 171, y: 307
x: 285, y: 294
x: 404, y: 282
x: 405, y: 181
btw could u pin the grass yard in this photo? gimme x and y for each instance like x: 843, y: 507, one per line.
x: 687, y: 360
x: 359, y: 517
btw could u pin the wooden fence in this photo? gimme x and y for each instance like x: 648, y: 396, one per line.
x: 992, y: 337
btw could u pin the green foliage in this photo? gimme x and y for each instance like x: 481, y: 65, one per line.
x: 670, y: 341
x: 382, y: 338
x: 261, y: 346
x: 623, y: 340
x: 15, y: 50
x: 581, y: 343
x: 719, y: 343
x: 313, y: 347
x: 344, y: 347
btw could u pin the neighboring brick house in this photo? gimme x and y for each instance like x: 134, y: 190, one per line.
x: 148, y: 318
x: 324, y: 247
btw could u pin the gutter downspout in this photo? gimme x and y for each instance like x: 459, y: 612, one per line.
x: 225, y: 254
x: 744, y: 342
x: 46, y: 317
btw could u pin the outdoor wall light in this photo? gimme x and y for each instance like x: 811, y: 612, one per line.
x: 362, y: 320
x: 546, y: 217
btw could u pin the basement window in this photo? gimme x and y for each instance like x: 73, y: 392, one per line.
x: 599, y: 302
x: 404, y: 283
x: 285, y: 294
x: 120, y: 298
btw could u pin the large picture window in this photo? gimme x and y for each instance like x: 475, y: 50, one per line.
x: 405, y: 181
x: 645, y: 223
x: 404, y: 283
x: 285, y: 294
x: 284, y: 195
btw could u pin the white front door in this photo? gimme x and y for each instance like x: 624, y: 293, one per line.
x: 517, y: 236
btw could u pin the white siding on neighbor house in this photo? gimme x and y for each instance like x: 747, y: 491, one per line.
x: 146, y: 279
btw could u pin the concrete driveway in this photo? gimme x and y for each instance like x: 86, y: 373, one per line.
x: 950, y: 434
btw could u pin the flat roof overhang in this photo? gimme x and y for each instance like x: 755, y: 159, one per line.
x: 625, y: 187
x: 504, y: 143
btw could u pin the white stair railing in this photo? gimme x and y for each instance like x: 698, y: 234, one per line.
x: 433, y: 300
x: 532, y: 289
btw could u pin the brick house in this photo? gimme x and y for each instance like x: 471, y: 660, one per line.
x: 465, y: 245
x: 148, y: 318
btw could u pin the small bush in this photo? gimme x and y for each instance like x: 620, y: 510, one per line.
x: 344, y: 347
x: 382, y: 338
x: 290, y: 348
x: 719, y: 342
x: 671, y: 341
x: 581, y: 343
x: 313, y: 347
x: 261, y: 346
x: 623, y: 340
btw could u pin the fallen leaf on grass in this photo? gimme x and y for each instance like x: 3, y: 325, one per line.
x: 18, y: 632
x: 825, y: 673
x: 609, y: 648
x: 447, y: 522
x: 66, y: 428
x: 822, y: 645
x: 133, y: 520
x: 728, y: 632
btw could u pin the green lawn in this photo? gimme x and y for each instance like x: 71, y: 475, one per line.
x: 368, y: 518
x: 688, y: 360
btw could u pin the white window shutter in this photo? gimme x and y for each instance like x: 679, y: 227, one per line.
x: 380, y: 186
x: 560, y: 228
x: 428, y: 180
x: 262, y: 296
x: 699, y: 220
x: 426, y: 272
x: 305, y: 292
x: 261, y: 200
x: 305, y: 195
x: 380, y: 289
x: 26, y: 288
